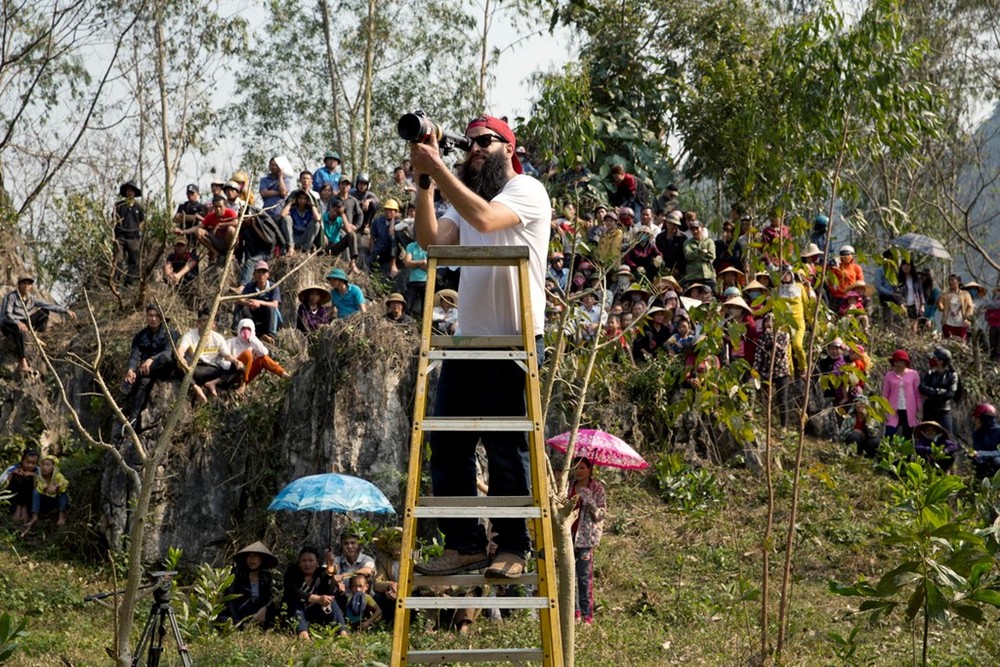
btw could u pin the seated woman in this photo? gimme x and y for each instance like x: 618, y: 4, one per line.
x: 314, y: 311
x: 934, y: 444
x: 50, y: 492
x: 251, y: 354
x: 252, y: 587
x: 309, y: 594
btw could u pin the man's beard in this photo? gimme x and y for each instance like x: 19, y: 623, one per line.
x: 489, y: 177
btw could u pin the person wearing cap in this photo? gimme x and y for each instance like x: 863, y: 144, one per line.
x: 901, y: 390
x: 699, y: 255
x: 129, y: 217
x: 190, y: 212
x: 21, y: 312
x: 956, y: 309
x: 301, y: 220
x: 215, y: 188
x: 395, y: 310
x: 843, y: 277
x: 329, y: 173
x: 274, y: 188
x: 526, y: 166
x: 382, y: 249
x: 217, y: 231
x: 242, y: 180
x: 933, y: 443
x: 367, y: 199
x: 251, y: 595
x: 940, y: 386
x: 231, y: 191
x: 213, y: 364
x: 181, y: 266
x: 260, y: 302
x: 493, y: 203
x: 670, y: 244
x: 150, y: 360
x: 347, y: 299
x: 400, y: 187
x: 352, y: 207
x: 249, y: 356
x: 558, y: 271
x: 591, y: 316
x: 314, y: 309
x: 810, y: 263
x: 821, y: 225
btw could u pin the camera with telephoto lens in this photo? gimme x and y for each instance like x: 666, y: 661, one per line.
x: 417, y: 128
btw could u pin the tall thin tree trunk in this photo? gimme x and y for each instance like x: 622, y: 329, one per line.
x: 483, y: 54
x: 368, y: 83
x: 331, y: 67
x: 161, y: 82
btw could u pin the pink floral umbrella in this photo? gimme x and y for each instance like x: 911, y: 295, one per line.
x: 603, y: 449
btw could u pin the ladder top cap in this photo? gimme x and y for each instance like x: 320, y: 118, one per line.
x: 477, y: 252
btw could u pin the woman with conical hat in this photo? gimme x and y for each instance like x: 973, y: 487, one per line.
x: 252, y: 587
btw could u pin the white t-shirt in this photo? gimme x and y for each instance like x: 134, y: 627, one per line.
x: 211, y: 354
x: 487, y: 295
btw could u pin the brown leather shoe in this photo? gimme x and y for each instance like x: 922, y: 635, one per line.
x: 506, y: 566
x: 453, y: 562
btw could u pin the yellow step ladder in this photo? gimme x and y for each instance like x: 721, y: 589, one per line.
x: 535, y: 508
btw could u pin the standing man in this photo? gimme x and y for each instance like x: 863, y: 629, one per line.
x: 329, y: 172
x: 699, y: 256
x: 129, y: 216
x: 22, y: 313
x: 493, y: 204
x: 274, y: 188
x: 382, y: 242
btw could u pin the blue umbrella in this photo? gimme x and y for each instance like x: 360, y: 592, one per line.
x: 331, y: 492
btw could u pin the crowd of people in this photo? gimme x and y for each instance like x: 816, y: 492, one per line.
x: 638, y: 272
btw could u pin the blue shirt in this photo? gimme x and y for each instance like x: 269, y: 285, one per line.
x: 332, y: 229
x: 270, y: 182
x: 322, y: 176
x: 416, y: 254
x: 300, y: 221
x: 383, y: 240
x: 273, y: 292
x: 349, y: 302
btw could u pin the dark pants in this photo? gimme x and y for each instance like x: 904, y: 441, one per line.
x: 903, y: 428
x: 205, y: 373
x: 139, y: 394
x: 265, y: 319
x: 23, y: 488
x: 994, y: 340
x: 348, y: 241
x: 415, y: 298
x: 127, y: 252
x: 867, y: 444
x: 462, y: 393
x: 584, y: 582
x: 39, y: 322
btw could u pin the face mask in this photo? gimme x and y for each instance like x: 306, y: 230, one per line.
x: 245, y: 335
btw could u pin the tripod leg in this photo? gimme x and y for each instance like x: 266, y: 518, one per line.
x: 146, y: 636
x: 181, y: 646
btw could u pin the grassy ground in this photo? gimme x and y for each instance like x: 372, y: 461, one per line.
x: 674, y: 586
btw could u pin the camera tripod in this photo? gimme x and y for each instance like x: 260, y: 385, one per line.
x: 160, y: 613
x: 155, y: 630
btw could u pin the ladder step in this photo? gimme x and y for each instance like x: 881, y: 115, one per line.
x: 476, y: 507
x: 475, y: 655
x: 510, y: 424
x: 476, y: 341
x: 477, y: 355
x: 527, y: 579
x: 458, y: 255
x: 460, y: 602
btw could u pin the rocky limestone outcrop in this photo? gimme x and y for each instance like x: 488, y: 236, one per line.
x: 347, y: 409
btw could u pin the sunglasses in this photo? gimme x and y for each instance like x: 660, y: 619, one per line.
x: 486, y: 140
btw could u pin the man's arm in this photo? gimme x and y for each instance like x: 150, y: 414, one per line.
x: 486, y: 217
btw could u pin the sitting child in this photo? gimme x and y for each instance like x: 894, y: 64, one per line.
x: 362, y: 611
x: 20, y: 480
x: 683, y: 339
x: 864, y: 433
x: 985, y: 440
x: 931, y: 436
x: 50, y: 492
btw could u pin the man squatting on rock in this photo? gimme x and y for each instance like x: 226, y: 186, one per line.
x: 493, y: 204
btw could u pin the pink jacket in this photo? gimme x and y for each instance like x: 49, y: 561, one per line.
x: 909, y: 383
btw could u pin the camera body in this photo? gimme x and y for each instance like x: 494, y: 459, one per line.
x: 418, y: 128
